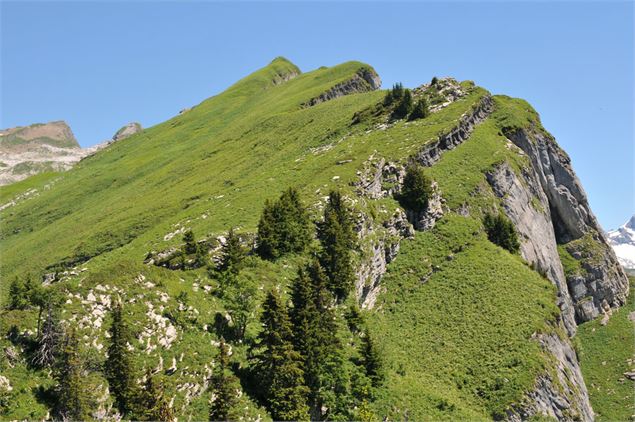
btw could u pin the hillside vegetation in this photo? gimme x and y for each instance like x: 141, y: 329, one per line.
x: 452, y: 331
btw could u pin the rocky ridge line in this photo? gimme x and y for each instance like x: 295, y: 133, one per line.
x: 364, y: 80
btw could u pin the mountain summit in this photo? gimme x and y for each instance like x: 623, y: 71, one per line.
x: 309, y: 246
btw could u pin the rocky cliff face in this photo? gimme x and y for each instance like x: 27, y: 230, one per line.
x: 601, y: 283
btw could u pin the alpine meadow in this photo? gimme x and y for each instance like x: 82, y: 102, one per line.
x: 309, y: 246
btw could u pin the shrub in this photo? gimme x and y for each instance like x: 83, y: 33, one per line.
x: 434, y: 80
x: 500, y: 230
x: 417, y: 189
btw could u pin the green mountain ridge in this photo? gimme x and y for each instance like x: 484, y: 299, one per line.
x: 466, y: 329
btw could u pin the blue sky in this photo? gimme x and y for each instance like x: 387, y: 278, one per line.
x: 99, y: 65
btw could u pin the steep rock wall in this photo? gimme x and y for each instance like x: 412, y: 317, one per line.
x: 604, y: 283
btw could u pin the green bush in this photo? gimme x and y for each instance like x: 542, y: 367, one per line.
x: 417, y: 189
x: 500, y: 231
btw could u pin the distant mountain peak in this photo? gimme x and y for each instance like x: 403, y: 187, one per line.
x: 622, y: 240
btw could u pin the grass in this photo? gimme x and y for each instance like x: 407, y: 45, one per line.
x: 38, y: 181
x: 605, y: 353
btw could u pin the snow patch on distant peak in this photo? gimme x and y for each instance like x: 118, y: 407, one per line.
x: 623, y: 242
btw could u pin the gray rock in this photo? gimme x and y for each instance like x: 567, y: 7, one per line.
x: 562, y: 398
x: 127, y: 131
x: 431, y: 152
x: 364, y: 80
x: 526, y: 205
x: 573, y: 221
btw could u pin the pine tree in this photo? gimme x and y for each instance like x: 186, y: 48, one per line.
x: 278, y: 365
x: 284, y: 226
x: 420, y: 110
x: 371, y: 360
x: 394, y: 94
x: 337, y: 239
x: 119, y: 368
x: 417, y: 189
x: 434, y: 80
x: 232, y: 254
x: 189, y: 248
x: 201, y: 256
x: 152, y: 405
x: 224, y: 386
x: 73, y: 400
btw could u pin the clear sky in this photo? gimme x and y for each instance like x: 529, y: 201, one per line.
x: 99, y: 65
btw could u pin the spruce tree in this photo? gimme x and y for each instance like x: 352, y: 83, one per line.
x: 73, y: 400
x: 416, y: 190
x: 337, y: 239
x: 189, y: 247
x: 371, y: 360
x: 278, y: 365
x: 420, y: 110
x: 404, y: 106
x: 152, y: 405
x: 224, y: 386
x: 315, y: 337
x: 232, y: 254
x: 284, y: 226
x: 119, y: 369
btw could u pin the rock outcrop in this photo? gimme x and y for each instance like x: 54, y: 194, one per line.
x: 563, y: 397
x: 364, y: 80
x: 127, y: 131
x: 37, y: 148
x: 603, y: 282
x: 431, y: 152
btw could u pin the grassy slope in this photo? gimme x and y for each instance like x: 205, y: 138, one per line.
x: 606, y: 352
x: 213, y: 167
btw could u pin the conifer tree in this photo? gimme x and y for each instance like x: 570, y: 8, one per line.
x: 404, y: 107
x: 284, y: 226
x: 337, y: 239
x: 73, y: 400
x: 278, y: 365
x: 224, y: 386
x: 152, y: 405
x: 189, y: 247
x: 315, y: 337
x: 232, y: 254
x: 371, y: 360
x: 417, y: 189
x: 119, y: 368
x: 420, y: 110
